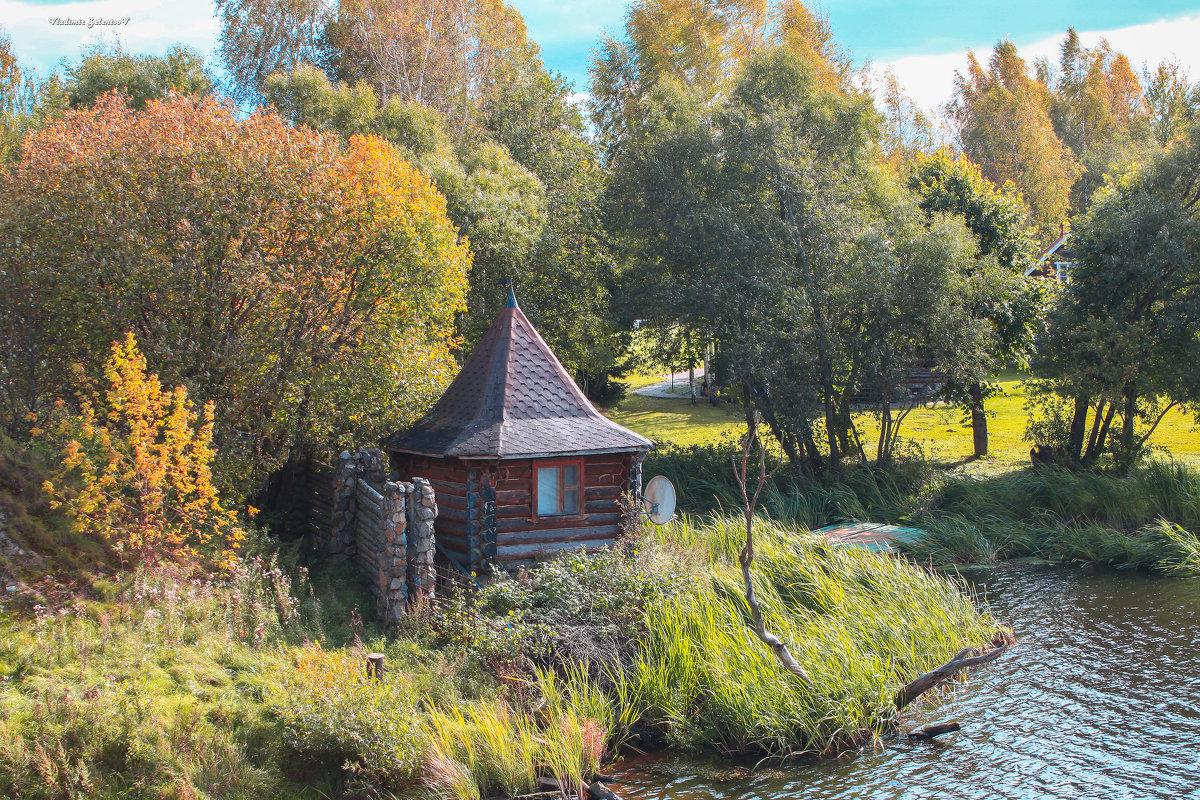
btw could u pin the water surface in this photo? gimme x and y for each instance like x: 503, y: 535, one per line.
x: 1099, y: 698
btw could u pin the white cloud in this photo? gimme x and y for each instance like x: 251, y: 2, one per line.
x: 144, y: 26
x: 929, y: 79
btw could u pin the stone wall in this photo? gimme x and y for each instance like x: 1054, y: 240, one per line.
x: 386, y: 527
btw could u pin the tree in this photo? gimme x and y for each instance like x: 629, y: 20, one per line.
x: 496, y: 204
x: 140, y: 78
x: 767, y: 225
x: 1122, y: 341
x: 262, y: 37
x: 1002, y: 116
x: 567, y: 285
x: 532, y: 154
x: 908, y: 132
x: 1097, y: 108
x: 449, y: 56
x: 307, y: 287
x: 18, y: 96
x: 137, y: 468
x: 1002, y: 298
x: 1173, y: 104
x: 703, y: 45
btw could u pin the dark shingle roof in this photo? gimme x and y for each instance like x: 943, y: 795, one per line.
x: 513, y: 399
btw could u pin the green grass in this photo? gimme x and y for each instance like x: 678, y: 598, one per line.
x: 692, y: 674
x: 178, y: 687
x: 187, y: 688
x: 677, y: 420
x: 941, y: 432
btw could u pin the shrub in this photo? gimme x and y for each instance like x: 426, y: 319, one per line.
x: 136, y: 468
x: 331, y: 712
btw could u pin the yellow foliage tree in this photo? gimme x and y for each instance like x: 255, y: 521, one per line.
x: 136, y: 468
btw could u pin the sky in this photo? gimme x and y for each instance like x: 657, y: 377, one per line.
x: 922, y: 41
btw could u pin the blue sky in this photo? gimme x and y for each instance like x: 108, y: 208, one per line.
x: 923, y: 41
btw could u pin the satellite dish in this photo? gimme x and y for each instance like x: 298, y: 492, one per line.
x: 659, y: 497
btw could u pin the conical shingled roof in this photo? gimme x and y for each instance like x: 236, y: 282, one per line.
x: 513, y: 399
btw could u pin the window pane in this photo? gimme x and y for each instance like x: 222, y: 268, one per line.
x: 547, y: 490
x: 571, y: 501
x: 571, y: 476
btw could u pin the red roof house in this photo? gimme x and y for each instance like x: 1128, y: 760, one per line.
x: 522, y: 464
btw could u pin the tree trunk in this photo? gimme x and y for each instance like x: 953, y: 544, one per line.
x: 1092, y: 454
x: 692, y: 381
x: 746, y: 557
x: 930, y: 731
x: 1131, y: 395
x: 979, y: 431
x: 714, y: 397
x: 1078, y: 426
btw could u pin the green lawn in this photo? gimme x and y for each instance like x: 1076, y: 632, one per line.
x: 942, y: 433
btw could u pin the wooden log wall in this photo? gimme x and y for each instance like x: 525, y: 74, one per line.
x: 371, y: 553
x: 448, y: 479
x: 486, y: 514
x: 519, y: 537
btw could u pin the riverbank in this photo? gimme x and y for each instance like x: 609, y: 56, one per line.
x: 1100, y: 654
x: 183, y: 687
x: 1146, y: 519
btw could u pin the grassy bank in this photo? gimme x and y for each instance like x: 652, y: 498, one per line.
x: 165, y: 686
x: 687, y: 670
x: 1147, y: 519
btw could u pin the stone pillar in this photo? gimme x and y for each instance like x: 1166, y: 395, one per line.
x: 371, y: 466
x: 395, y: 536
x: 422, y: 511
x: 341, y: 536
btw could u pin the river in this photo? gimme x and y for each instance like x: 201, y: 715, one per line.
x: 1099, y: 698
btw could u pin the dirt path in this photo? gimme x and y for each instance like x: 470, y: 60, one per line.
x: 664, y: 389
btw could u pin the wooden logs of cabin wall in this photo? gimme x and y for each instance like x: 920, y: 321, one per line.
x: 422, y: 513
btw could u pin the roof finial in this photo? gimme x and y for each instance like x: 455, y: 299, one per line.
x: 512, y: 297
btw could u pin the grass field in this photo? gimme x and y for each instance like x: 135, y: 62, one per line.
x: 943, y: 433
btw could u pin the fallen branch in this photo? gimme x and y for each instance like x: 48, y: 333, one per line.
x: 930, y: 731
x: 964, y: 659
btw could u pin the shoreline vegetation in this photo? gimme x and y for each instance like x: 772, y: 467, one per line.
x: 1144, y: 519
x: 166, y: 685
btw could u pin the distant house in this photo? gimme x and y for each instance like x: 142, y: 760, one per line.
x: 522, y: 464
x: 1056, y: 261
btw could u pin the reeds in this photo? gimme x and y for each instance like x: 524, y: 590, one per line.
x: 1145, y: 519
x: 861, y: 624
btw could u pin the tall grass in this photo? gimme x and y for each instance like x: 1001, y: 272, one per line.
x: 861, y: 624
x: 1145, y: 519
x: 185, y: 688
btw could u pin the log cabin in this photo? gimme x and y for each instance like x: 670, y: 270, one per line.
x: 523, y: 466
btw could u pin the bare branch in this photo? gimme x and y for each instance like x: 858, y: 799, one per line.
x: 962, y: 660
x: 746, y: 557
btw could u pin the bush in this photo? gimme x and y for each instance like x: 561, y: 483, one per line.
x: 137, y: 468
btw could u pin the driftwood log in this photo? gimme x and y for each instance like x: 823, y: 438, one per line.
x: 592, y: 788
x: 598, y: 791
x: 964, y: 659
x: 746, y: 556
x: 930, y: 731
